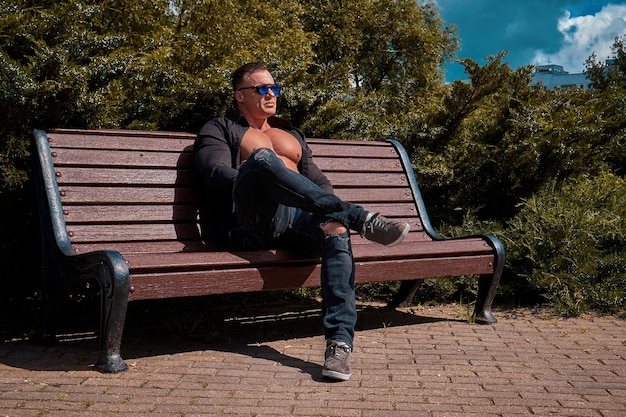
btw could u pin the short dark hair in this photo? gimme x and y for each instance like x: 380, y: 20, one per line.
x: 243, y: 71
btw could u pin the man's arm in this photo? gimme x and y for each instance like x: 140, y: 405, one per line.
x: 213, y: 158
x: 313, y: 172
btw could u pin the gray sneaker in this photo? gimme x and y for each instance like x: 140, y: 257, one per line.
x: 337, y: 363
x: 383, y: 230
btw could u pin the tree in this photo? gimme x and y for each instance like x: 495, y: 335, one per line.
x: 61, y: 65
x: 206, y: 51
x: 465, y: 164
x: 608, y: 105
x: 352, y: 69
x: 378, y: 68
x: 499, y: 140
x: 165, y: 64
x: 611, y: 72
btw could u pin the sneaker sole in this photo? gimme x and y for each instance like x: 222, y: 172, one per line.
x: 405, y: 232
x: 335, y: 375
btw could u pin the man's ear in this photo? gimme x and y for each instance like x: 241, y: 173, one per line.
x: 238, y: 96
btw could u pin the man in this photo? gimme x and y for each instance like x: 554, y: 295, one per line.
x: 266, y: 192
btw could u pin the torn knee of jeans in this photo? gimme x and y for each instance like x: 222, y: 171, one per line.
x: 333, y: 228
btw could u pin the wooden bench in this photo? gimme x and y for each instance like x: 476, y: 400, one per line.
x: 121, y: 207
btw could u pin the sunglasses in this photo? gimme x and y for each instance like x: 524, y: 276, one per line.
x: 263, y: 89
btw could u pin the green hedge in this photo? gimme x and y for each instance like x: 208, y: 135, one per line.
x: 487, y: 147
x: 568, y: 244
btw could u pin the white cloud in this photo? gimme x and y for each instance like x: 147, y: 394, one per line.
x: 584, y: 35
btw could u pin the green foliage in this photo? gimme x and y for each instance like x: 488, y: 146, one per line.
x: 464, y: 288
x: 501, y: 140
x: 569, y: 244
x: 466, y: 162
x: 368, y: 69
x: 163, y: 64
x: 603, y: 75
x: 378, y: 68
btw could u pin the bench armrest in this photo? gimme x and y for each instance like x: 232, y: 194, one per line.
x: 44, y: 170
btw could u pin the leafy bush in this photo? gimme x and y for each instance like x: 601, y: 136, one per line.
x: 464, y: 288
x: 569, y: 244
x: 351, y: 72
x: 162, y: 64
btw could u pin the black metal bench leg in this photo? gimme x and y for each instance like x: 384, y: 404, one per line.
x: 487, y: 286
x: 114, y: 280
x: 46, y: 334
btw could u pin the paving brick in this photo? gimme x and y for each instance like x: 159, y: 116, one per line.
x: 564, y: 411
x: 427, y: 361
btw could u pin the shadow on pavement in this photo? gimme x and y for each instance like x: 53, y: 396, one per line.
x: 167, y: 327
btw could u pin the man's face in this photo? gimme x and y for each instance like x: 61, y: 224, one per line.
x: 250, y: 101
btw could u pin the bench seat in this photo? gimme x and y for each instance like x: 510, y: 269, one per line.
x: 124, y: 208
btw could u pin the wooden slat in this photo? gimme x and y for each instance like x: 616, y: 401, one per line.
x: 114, y: 158
x: 104, y: 159
x: 125, y: 176
x: 358, y: 165
x: 132, y: 232
x: 313, y: 141
x: 367, y: 179
x: 375, y: 195
x: 176, y: 142
x: 141, y: 195
x: 156, y: 246
x: 185, y: 177
x: 173, y: 246
x: 181, y: 284
x: 111, y: 233
x: 196, y: 245
x: 137, y: 140
x: 194, y: 261
x: 121, y: 140
x: 105, y: 214
x: 111, y: 214
x: 127, y: 195
x: 354, y: 149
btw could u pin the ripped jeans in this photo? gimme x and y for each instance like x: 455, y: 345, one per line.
x: 278, y: 208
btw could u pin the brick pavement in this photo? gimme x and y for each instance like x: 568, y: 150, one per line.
x: 422, y: 362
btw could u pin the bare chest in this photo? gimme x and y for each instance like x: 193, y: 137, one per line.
x: 282, y: 143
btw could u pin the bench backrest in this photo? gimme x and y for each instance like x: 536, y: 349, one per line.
x: 135, y: 190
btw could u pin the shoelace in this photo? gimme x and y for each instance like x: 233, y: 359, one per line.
x: 371, y: 223
x: 343, y: 350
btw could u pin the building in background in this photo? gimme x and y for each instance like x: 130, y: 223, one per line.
x: 554, y: 76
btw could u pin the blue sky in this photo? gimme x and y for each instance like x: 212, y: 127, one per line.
x: 560, y: 32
